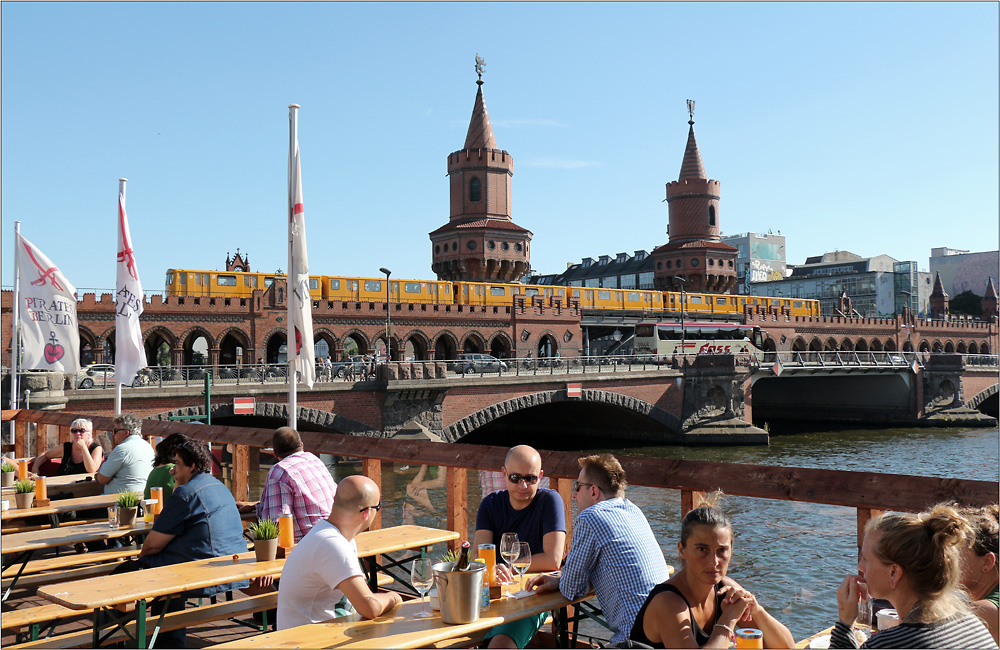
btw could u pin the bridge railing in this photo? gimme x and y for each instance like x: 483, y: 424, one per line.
x: 870, y: 493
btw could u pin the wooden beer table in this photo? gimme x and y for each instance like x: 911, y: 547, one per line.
x: 73, y: 485
x: 61, y: 506
x: 109, y: 594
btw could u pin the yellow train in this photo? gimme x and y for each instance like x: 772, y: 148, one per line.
x: 240, y: 284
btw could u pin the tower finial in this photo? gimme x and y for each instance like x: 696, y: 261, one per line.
x: 480, y: 62
x: 691, y: 111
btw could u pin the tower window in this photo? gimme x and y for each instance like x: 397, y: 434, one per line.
x: 711, y: 215
x: 475, y: 190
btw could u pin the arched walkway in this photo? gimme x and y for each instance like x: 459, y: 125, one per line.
x: 324, y: 419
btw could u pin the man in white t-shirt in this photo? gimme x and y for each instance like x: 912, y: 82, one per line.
x: 130, y: 462
x: 324, y: 566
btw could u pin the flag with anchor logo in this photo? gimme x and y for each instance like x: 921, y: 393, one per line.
x: 47, y: 305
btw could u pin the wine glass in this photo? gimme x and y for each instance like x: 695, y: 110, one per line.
x: 509, y: 548
x: 522, y: 561
x: 421, y: 577
x: 864, y: 620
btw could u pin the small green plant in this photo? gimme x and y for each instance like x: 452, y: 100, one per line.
x: 128, y: 499
x: 450, y: 556
x: 7, y: 467
x: 24, y: 486
x: 264, y: 529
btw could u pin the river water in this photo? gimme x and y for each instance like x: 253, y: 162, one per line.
x: 791, y: 555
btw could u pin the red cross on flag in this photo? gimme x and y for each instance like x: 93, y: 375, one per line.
x: 300, y: 328
x: 130, y: 355
x: 47, y: 305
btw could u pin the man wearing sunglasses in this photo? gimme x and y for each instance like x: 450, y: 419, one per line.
x: 536, y: 515
x: 614, y: 550
x: 324, y: 567
x: 130, y: 462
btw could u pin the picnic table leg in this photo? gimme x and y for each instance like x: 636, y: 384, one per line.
x: 24, y: 563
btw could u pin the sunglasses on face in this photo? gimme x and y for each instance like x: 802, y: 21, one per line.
x: 78, y: 431
x: 376, y: 508
x: 530, y: 479
x: 577, y: 485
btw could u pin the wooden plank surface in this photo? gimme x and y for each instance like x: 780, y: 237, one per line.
x: 60, y: 481
x: 63, y: 505
x: 398, y: 628
x: 106, y: 591
x: 67, y: 536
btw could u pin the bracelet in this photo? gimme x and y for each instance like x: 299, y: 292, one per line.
x: 726, y: 628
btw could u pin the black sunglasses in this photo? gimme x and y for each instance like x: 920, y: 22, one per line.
x: 530, y: 479
x: 78, y: 431
x: 375, y: 507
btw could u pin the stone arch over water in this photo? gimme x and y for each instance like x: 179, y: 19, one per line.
x: 324, y: 419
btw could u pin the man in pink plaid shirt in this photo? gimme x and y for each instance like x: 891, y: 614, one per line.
x: 299, y: 481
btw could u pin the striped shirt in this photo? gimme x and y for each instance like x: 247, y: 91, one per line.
x: 962, y: 631
x: 301, y: 482
x: 615, y: 552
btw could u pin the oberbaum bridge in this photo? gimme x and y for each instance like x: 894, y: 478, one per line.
x: 900, y: 371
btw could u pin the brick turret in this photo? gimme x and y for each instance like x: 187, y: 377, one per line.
x: 480, y: 242
x: 695, y: 251
x: 989, y: 301
x: 938, y: 299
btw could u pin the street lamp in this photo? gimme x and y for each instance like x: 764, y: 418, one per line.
x: 679, y: 280
x: 387, y: 272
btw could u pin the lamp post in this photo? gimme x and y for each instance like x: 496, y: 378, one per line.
x: 388, y: 321
x: 679, y: 280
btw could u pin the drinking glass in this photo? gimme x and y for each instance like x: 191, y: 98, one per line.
x: 421, y: 577
x: 113, y: 517
x: 508, y: 548
x: 522, y: 561
x: 148, y: 510
x: 864, y: 622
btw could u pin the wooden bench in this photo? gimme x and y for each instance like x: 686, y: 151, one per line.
x: 65, y: 568
x: 27, y: 529
x: 206, y: 613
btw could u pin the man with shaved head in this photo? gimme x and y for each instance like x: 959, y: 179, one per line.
x: 324, y: 566
x: 536, y: 515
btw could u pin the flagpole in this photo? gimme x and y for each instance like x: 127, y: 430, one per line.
x: 15, y: 329
x: 293, y: 134
x: 118, y: 386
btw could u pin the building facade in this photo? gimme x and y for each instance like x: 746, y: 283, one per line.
x: 759, y: 258
x: 964, y: 271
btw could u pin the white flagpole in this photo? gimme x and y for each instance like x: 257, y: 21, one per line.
x: 15, y: 329
x: 293, y: 135
x: 118, y: 386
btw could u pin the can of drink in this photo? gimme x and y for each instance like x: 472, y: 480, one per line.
x: 748, y: 637
x: 488, y: 552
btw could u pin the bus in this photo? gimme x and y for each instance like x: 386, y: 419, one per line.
x: 668, y: 339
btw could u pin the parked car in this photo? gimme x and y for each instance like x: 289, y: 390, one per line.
x: 100, y: 374
x: 354, y: 366
x: 474, y: 362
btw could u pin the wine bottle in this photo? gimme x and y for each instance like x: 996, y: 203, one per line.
x: 463, y: 558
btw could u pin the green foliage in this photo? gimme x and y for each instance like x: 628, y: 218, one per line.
x: 24, y: 486
x: 128, y: 499
x: 7, y: 467
x: 966, y: 303
x: 450, y: 556
x: 264, y: 529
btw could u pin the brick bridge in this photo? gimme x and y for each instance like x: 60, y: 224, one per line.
x: 710, y: 401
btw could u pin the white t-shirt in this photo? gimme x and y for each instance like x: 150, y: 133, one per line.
x: 309, y: 579
x: 128, y: 465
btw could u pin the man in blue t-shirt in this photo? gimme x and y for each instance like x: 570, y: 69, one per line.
x: 537, y: 516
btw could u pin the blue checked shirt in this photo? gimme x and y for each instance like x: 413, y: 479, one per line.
x: 613, y: 551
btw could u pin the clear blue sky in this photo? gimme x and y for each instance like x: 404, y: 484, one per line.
x: 869, y: 127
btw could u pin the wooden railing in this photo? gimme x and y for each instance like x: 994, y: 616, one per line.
x: 869, y: 492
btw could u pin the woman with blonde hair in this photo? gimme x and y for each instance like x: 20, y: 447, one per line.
x: 700, y: 607
x: 980, y: 573
x: 915, y: 562
x: 79, y: 456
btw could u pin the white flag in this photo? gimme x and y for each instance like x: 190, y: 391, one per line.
x: 300, y: 344
x: 130, y: 355
x: 49, y: 329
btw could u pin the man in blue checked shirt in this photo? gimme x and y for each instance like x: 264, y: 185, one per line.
x: 613, y: 549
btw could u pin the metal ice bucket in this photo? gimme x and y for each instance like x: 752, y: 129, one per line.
x: 460, y: 592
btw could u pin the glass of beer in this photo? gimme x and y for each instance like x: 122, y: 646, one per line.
x: 148, y: 510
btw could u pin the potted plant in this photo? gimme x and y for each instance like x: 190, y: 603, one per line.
x: 24, y: 493
x: 7, y: 471
x: 128, y: 507
x: 265, y: 539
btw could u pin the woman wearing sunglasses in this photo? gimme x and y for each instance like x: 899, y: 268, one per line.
x: 80, y: 456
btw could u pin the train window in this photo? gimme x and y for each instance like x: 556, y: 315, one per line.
x: 354, y: 285
x: 720, y: 300
x: 531, y: 292
x: 227, y: 280
x: 694, y: 300
x: 183, y: 277
x: 633, y: 296
x: 559, y: 292
x: 447, y: 288
x: 498, y: 291
x: 197, y: 278
x: 775, y: 303
x: 743, y: 301
x: 255, y: 281
x: 335, y: 285
x: 246, y: 280
x: 576, y: 293
x: 373, y: 285
x: 313, y: 283
x: 797, y: 304
x: 590, y: 295
x: 170, y: 278
x: 411, y: 287
x: 604, y: 295
x: 268, y: 281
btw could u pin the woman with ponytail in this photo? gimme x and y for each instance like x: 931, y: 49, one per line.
x: 915, y: 562
x: 700, y: 607
x: 980, y: 573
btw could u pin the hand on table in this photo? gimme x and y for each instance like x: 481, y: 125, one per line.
x: 504, y: 574
x: 542, y: 583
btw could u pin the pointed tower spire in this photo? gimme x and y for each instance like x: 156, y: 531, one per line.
x: 989, y: 301
x: 938, y: 299
x: 480, y: 135
x: 691, y: 166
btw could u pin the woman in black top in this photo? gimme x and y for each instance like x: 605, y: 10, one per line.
x: 81, y: 456
x: 700, y: 607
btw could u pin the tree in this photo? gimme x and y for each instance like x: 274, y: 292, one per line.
x: 966, y: 303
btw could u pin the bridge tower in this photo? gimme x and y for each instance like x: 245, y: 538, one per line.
x: 989, y: 302
x: 938, y: 299
x: 695, y: 251
x: 480, y: 242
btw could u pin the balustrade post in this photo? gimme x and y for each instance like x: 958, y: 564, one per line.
x: 458, y: 504
x: 20, y: 439
x: 564, y: 487
x: 864, y: 516
x: 691, y: 499
x: 372, y: 468
x: 241, y: 472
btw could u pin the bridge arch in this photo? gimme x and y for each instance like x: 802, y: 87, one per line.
x: 937, y: 346
x: 924, y: 346
x: 188, y: 340
x: 325, y: 420
x: 960, y: 348
x: 846, y: 344
x: 949, y: 347
x: 984, y: 348
x: 547, y: 345
x: 890, y: 345
x: 445, y: 346
x: 473, y: 342
x: 415, y: 345
x: 982, y: 396
x: 326, y: 336
x: 273, y: 341
x: 908, y: 346
x: 501, y: 346
x: 815, y: 345
x: 234, y: 347
x: 482, y: 417
x: 876, y: 345
x: 88, y: 345
x: 156, y: 338
x: 354, y: 342
x: 799, y: 344
x: 861, y: 345
x: 973, y: 348
x: 830, y: 345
